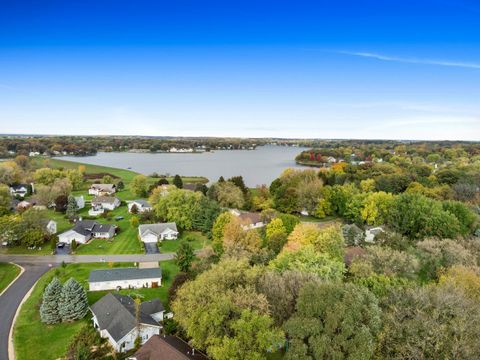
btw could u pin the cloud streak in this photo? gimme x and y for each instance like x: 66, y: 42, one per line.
x: 457, y: 64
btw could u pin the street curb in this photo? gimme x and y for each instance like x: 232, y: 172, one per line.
x: 22, y: 270
x: 11, y: 348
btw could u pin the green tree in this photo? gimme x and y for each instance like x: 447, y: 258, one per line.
x: 252, y: 335
x: 120, y: 185
x: 139, y: 185
x: 334, y: 321
x: 107, y: 179
x: 275, y: 227
x: 5, y: 199
x: 177, y: 181
x: 73, y: 301
x: 76, y: 178
x: 49, y: 310
x: 217, y: 231
x: 308, y: 260
x: 227, y: 194
x: 72, y: 207
x: 134, y: 222
x: 184, y: 256
x: 430, y: 322
x: 209, y: 309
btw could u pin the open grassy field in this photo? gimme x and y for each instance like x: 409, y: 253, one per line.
x: 35, y: 340
x: 8, y: 272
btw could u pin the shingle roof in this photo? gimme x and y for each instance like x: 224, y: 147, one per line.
x: 104, y: 199
x: 116, y: 314
x: 250, y: 217
x: 157, y: 228
x: 124, y: 274
x: 84, y: 227
x: 164, y: 347
x: 102, y: 228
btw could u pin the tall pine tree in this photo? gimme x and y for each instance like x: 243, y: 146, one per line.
x: 73, y: 301
x: 72, y: 206
x: 49, y: 310
x: 177, y: 181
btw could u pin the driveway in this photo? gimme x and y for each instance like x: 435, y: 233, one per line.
x: 151, y: 248
x: 10, y: 300
x: 65, y: 250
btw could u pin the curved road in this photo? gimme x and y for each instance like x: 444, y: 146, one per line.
x: 35, y: 267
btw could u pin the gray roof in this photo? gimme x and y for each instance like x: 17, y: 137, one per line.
x: 87, y: 227
x: 157, y: 228
x: 116, y: 314
x: 124, y: 274
x: 104, y: 199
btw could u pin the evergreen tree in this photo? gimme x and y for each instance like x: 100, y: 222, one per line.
x: 49, y: 310
x: 72, y: 206
x: 221, y: 179
x: 184, y: 256
x: 177, y: 181
x: 73, y: 301
x: 120, y: 185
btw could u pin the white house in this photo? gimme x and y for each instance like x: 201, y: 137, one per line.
x: 370, y: 233
x: 152, y: 233
x: 124, y: 278
x: 80, y: 200
x: 102, y: 189
x: 102, y: 203
x: 249, y: 220
x: 84, y: 230
x: 20, y: 190
x: 141, y: 205
x: 114, y: 316
x: 51, y: 226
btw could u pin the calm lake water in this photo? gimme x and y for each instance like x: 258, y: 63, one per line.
x: 260, y: 166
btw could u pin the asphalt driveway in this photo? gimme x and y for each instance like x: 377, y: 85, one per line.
x: 151, y: 248
x: 10, y: 300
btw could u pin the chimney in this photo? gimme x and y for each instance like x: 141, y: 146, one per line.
x: 193, y: 351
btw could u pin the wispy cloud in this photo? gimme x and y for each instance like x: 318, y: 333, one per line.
x: 458, y: 64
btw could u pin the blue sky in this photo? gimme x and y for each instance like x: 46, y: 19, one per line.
x: 383, y: 69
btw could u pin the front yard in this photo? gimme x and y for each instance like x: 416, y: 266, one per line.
x: 35, y: 340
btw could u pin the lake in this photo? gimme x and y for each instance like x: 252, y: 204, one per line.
x: 260, y: 166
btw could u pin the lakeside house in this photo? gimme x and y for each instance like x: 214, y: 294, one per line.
x: 371, y: 233
x: 152, y: 233
x: 102, y: 189
x: 84, y: 230
x: 21, y: 190
x: 141, y: 206
x: 249, y: 220
x: 167, y: 347
x: 102, y: 203
x: 115, y: 317
x: 124, y: 278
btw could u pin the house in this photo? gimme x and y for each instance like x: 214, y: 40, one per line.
x: 102, y: 189
x: 371, y: 233
x: 102, y: 203
x: 141, y: 205
x: 152, y: 233
x: 84, y: 230
x: 115, y: 317
x: 124, y: 278
x: 51, y: 226
x: 24, y: 205
x: 80, y: 200
x: 21, y: 190
x: 167, y: 347
x: 249, y: 220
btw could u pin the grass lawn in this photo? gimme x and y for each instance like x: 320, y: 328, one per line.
x: 199, y: 241
x: 35, y: 340
x: 8, y: 272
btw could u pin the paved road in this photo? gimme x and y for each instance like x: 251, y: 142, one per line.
x: 57, y: 259
x: 11, y: 298
x: 36, y: 266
